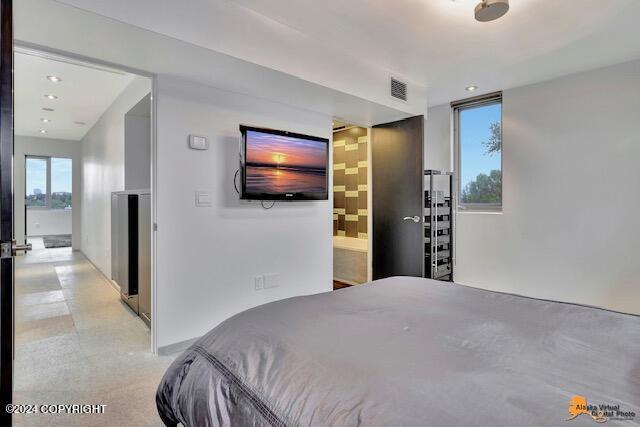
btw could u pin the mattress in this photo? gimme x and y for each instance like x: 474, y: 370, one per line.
x: 408, y: 351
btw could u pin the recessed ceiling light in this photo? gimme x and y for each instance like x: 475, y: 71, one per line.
x: 54, y: 79
x: 80, y: 123
x: 48, y: 96
x: 47, y: 109
x: 471, y: 88
x: 45, y: 120
x: 43, y: 131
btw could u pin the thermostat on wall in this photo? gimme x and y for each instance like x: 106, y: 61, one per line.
x: 198, y: 142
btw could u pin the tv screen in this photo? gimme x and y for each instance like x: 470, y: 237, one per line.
x: 281, y: 165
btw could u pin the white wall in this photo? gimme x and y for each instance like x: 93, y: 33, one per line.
x: 28, y: 145
x: 438, y: 149
x: 137, y: 162
x: 103, y: 172
x: 46, y: 222
x: 569, y: 229
x: 137, y: 146
x: 207, y: 257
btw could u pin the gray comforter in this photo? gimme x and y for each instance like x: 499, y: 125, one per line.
x: 406, y: 351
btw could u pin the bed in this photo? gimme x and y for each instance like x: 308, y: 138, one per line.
x: 406, y: 351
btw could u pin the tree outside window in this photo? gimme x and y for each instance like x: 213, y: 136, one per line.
x: 480, y: 155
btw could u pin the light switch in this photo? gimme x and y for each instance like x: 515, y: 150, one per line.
x: 271, y: 280
x: 197, y: 142
x: 203, y: 198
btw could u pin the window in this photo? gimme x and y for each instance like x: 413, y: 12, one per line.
x: 478, y: 136
x: 60, y: 183
x: 48, y: 182
x: 37, y: 173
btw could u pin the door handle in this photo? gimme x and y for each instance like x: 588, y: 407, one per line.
x: 415, y: 218
x: 9, y: 249
x: 24, y: 248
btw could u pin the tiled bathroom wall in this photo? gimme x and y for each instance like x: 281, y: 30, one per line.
x: 350, y: 184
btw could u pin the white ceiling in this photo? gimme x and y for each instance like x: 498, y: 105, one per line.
x: 84, y: 94
x: 111, y: 41
x: 435, y: 43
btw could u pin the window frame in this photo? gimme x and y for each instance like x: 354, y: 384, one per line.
x: 465, y: 104
x: 47, y: 196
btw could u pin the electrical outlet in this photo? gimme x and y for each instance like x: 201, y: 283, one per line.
x: 258, y: 282
x: 271, y: 280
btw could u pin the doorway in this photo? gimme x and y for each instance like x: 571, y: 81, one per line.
x: 351, y: 204
x: 381, y: 236
x: 80, y: 131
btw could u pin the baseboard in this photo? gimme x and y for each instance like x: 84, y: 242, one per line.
x: 113, y: 284
x: 178, y: 347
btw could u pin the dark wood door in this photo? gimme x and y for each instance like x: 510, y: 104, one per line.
x: 6, y: 209
x: 397, y: 194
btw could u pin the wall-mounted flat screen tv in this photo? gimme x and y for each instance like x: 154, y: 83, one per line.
x: 281, y: 165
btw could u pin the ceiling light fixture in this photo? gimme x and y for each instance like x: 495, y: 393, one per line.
x: 471, y: 88
x: 54, y: 79
x: 47, y: 109
x: 80, y: 123
x: 45, y: 120
x: 48, y: 96
x: 490, y: 10
x: 43, y: 131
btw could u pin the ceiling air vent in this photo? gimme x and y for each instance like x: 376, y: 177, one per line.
x: 398, y: 89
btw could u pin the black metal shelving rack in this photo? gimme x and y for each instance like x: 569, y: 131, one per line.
x: 438, y: 227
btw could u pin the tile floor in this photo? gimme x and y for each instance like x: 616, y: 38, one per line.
x: 76, y: 342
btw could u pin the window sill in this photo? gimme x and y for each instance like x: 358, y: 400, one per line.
x: 480, y: 211
x: 44, y: 208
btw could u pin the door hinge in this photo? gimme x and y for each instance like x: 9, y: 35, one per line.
x: 6, y: 250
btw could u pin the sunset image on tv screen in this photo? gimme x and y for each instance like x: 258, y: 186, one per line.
x: 284, y: 164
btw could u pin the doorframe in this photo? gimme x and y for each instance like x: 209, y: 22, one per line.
x: 6, y: 211
x: 18, y: 44
x: 369, y: 208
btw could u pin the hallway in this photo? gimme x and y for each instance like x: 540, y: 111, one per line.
x: 76, y: 343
